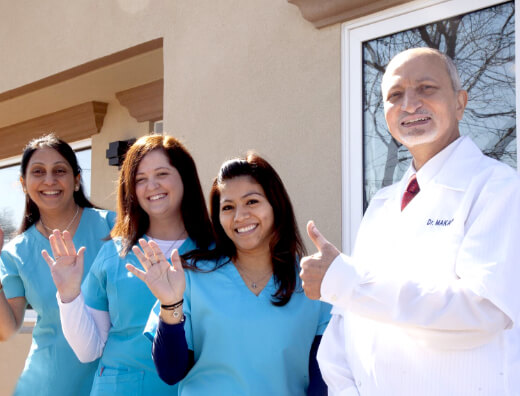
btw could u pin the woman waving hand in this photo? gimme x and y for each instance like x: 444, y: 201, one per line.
x: 238, y: 322
x: 160, y: 199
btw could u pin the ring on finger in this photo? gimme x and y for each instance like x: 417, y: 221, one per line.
x: 153, y: 260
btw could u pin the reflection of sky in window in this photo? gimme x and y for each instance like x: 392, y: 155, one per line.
x: 84, y: 160
x: 484, y: 54
x: 12, y: 202
x: 13, y: 199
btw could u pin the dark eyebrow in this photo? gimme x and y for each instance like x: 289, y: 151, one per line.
x: 244, y: 196
x: 252, y: 193
x: 56, y: 163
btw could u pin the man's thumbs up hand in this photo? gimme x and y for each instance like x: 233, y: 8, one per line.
x: 313, y: 268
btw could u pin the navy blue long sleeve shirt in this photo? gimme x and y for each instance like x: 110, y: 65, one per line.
x: 174, y: 360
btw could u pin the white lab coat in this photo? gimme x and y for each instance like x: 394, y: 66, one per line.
x: 429, y: 302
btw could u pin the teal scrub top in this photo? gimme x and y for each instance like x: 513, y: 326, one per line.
x: 242, y: 343
x: 51, y: 367
x: 126, y: 367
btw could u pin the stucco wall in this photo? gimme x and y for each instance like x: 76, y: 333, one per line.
x: 239, y: 75
x: 13, y: 353
x: 254, y: 75
x: 55, y: 35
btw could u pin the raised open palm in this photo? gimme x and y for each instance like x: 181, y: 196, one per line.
x: 166, y: 281
x: 67, y: 265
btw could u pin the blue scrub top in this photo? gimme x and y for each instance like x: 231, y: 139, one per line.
x: 51, y: 367
x: 126, y: 366
x: 243, y: 344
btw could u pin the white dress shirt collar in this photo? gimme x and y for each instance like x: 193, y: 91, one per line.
x: 430, y: 169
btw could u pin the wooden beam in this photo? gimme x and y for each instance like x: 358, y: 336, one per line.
x: 145, y: 102
x: 82, y: 69
x: 75, y: 123
x: 323, y: 13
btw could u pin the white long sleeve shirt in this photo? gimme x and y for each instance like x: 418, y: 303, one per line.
x: 427, y: 304
x: 85, y: 328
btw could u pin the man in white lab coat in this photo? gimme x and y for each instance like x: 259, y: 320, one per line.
x: 428, y: 304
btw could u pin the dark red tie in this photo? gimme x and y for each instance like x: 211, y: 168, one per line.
x: 411, y: 192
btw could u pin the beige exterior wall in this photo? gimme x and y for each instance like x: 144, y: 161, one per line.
x: 52, y: 36
x: 13, y: 354
x: 238, y: 75
x: 259, y: 77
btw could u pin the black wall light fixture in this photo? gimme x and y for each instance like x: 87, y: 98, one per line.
x: 116, y: 151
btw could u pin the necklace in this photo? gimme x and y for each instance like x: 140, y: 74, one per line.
x: 68, y: 225
x: 175, y: 243
x: 254, y: 283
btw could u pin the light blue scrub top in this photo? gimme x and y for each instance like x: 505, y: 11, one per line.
x: 126, y: 367
x: 51, y: 367
x: 243, y: 344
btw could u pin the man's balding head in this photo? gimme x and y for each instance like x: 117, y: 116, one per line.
x: 423, y: 101
x: 448, y: 63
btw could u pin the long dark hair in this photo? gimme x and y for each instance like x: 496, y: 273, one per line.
x: 32, y: 213
x: 286, y: 244
x: 132, y: 221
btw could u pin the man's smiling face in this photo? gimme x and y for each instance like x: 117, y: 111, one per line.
x: 422, y: 109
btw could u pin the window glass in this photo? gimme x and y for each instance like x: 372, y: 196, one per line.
x: 12, y: 202
x: 84, y: 160
x: 13, y: 199
x: 482, y: 45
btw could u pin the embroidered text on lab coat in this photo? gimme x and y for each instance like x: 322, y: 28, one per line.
x: 439, y: 222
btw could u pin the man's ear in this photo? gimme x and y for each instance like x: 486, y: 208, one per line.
x: 462, y: 101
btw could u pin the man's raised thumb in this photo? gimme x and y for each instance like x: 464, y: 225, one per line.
x: 315, y: 235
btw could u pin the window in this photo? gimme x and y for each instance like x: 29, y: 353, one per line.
x: 158, y: 127
x: 479, y: 35
x: 11, y: 207
x: 13, y: 199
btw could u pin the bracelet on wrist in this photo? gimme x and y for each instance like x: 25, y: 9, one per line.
x: 172, y: 307
x: 179, y: 319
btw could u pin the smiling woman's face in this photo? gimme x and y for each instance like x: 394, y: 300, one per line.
x: 245, y: 214
x: 158, y: 186
x: 49, y: 180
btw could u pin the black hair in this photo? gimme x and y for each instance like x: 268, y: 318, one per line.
x: 32, y: 213
x: 286, y: 244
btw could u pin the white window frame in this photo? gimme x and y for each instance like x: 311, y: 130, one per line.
x: 353, y: 34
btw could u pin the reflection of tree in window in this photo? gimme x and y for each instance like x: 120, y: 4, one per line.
x: 482, y: 45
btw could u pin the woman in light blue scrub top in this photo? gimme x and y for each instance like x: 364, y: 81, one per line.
x: 159, y: 198
x: 236, y: 321
x: 51, y: 178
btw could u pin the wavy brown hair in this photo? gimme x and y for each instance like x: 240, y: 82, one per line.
x: 132, y: 221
